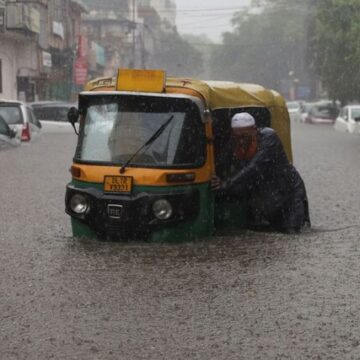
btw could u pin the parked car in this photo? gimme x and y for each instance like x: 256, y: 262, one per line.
x: 20, y: 117
x: 294, y: 109
x: 305, y: 111
x: 349, y: 119
x: 53, y: 115
x: 321, y: 113
x: 7, y: 136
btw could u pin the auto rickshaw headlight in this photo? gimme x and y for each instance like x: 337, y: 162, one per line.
x: 162, y: 209
x: 79, y: 204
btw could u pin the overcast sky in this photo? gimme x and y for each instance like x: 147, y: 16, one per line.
x: 211, y: 17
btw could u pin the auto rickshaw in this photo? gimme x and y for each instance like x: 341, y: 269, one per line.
x: 147, y: 148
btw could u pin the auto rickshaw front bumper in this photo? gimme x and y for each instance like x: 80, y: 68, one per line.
x: 131, y: 216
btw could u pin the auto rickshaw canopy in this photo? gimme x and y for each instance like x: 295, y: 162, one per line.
x: 215, y: 95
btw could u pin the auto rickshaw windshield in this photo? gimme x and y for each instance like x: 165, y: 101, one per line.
x: 114, y: 127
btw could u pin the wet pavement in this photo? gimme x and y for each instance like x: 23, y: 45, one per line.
x: 244, y: 296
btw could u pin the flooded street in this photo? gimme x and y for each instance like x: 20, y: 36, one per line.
x: 245, y: 296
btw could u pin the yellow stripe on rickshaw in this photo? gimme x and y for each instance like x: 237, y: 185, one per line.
x: 142, y: 176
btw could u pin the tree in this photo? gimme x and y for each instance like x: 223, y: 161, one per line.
x: 204, y: 45
x: 177, y: 56
x: 337, y: 48
x: 266, y: 45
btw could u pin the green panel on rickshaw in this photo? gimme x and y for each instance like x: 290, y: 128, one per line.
x: 201, y: 227
x: 230, y: 215
x: 81, y: 230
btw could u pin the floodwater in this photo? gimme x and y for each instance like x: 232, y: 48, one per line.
x: 241, y: 296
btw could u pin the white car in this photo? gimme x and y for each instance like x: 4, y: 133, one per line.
x: 53, y: 115
x: 21, y: 118
x: 321, y: 112
x: 349, y: 119
x: 294, y: 109
x: 7, y: 136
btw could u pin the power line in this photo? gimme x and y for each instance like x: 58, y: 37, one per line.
x: 220, y: 26
x: 196, y: 16
x: 205, y: 9
x: 210, y: 26
x: 203, y: 44
x: 218, y: 18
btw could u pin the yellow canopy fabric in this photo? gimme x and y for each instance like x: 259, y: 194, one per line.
x: 226, y: 94
x: 217, y: 94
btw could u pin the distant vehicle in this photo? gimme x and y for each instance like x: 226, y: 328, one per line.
x: 349, y: 119
x: 321, y: 113
x: 53, y: 115
x: 20, y: 116
x: 7, y: 136
x: 294, y: 109
x: 305, y: 108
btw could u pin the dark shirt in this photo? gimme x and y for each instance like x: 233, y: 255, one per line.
x: 270, y: 183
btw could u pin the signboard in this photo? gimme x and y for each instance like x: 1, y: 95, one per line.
x: 99, y: 53
x: 34, y: 20
x: 141, y: 80
x: 58, y: 29
x: 82, y: 46
x: 303, y: 92
x: 46, y: 59
x: 80, y: 71
x: 22, y: 16
x: 14, y: 16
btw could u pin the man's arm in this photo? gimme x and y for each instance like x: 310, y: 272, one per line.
x: 254, y: 172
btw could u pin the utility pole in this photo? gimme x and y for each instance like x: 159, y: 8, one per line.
x: 142, y: 40
x: 134, y: 33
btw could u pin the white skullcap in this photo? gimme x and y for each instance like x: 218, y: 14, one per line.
x: 242, y: 120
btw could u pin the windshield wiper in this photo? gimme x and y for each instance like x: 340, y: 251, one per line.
x: 156, y: 134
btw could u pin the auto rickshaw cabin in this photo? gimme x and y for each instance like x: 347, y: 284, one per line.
x: 147, y: 148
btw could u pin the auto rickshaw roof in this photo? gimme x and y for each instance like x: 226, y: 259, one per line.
x: 216, y: 94
x: 226, y: 94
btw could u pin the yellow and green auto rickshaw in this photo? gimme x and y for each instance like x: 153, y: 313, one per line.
x: 147, y: 148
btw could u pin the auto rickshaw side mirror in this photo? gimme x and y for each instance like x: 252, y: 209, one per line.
x: 73, y: 117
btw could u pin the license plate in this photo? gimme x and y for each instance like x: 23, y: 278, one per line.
x: 118, y: 184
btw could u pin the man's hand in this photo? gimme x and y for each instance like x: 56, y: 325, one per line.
x: 215, y: 183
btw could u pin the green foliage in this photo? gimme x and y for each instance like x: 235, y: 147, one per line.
x: 314, y: 39
x: 265, y: 46
x: 204, y: 45
x: 337, y: 48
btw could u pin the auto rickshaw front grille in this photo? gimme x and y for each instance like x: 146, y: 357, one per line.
x: 115, y: 211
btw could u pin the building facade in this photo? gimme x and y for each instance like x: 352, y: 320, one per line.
x: 38, y: 41
x: 115, y: 29
x: 167, y: 12
x: 127, y: 31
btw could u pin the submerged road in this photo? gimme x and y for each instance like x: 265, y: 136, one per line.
x: 249, y: 296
